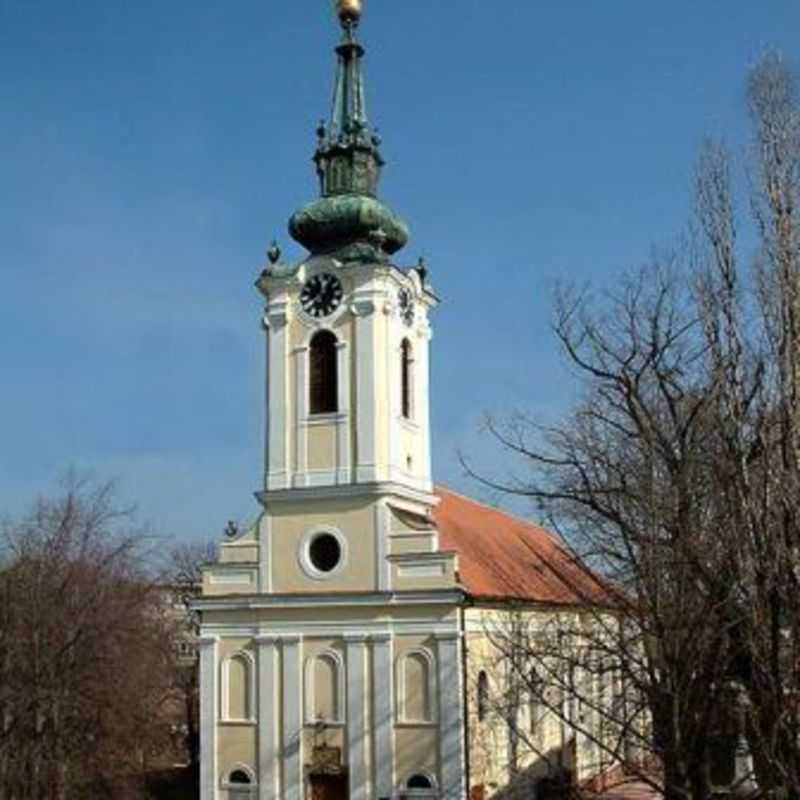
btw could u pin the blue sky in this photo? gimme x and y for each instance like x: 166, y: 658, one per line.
x: 151, y: 150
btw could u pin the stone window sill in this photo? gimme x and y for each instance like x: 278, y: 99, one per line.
x: 422, y: 723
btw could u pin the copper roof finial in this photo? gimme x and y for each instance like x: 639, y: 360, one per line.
x: 348, y: 221
x: 349, y: 10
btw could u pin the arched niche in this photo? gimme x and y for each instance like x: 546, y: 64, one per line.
x: 238, y: 673
x: 416, y: 686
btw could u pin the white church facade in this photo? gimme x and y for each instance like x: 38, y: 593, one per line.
x: 341, y: 633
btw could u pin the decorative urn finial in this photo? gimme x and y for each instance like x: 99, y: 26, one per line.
x: 349, y: 10
x: 274, y: 252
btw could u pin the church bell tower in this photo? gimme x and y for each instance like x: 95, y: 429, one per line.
x: 348, y: 330
x: 330, y: 643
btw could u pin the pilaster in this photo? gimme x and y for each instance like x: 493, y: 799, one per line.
x: 382, y: 565
x: 343, y: 436
x: 265, y: 553
x: 423, y: 401
x: 451, y: 728
x: 366, y: 399
x: 208, y: 717
x: 292, y: 719
x: 383, y: 719
x: 391, y: 427
x: 300, y: 423
x: 278, y: 396
x: 357, y: 716
x: 268, y: 769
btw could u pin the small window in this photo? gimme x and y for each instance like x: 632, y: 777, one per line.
x: 534, y: 708
x: 325, y: 552
x: 322, y: 553
x: 406, y: 377
x: 323, y: 379
x: 239, y: 776
x: 533, y: 713
x: 483, y: 695
x: 419, y: 781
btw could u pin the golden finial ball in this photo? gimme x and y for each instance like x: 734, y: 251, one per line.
x: 349, y: 10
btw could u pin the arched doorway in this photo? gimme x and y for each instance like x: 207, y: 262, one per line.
x: 328, y: 786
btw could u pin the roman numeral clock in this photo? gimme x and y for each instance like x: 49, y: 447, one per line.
x: 321, y: 295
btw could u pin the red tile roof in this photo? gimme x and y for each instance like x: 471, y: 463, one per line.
x: 504, y: 557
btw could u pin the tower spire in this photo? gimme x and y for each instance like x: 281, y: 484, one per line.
x: 348, y: 158
x: 348, y: 219
x: 349, y: 112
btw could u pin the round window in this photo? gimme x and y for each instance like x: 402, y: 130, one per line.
x: 325, y: 552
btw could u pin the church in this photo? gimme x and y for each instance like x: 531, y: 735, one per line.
x: 342, y: 636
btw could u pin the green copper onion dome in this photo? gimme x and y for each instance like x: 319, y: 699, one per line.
x: 348, y: 220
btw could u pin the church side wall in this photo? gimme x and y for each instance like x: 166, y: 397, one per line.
x: 544, y: 743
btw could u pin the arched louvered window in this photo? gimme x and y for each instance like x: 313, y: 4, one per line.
x: 406, y: 377
x: 323, y: 381
x: 483, y: 695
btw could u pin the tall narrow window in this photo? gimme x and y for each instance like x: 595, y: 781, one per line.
x: 406, y: 364
x: 533, y: 712
x: 323, y: 381
x: 483, y: 695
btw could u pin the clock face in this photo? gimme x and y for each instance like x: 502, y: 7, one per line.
x: 405, y: 303
x: 321, y: 295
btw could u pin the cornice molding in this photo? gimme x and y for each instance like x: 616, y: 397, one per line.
x: 375, y: 489
x: 276, y: 315
x: 327, y: 600
x: 362, y: 307
x: 426, y: 556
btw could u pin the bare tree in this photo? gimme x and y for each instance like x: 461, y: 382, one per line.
x: 624, y: 480
x: 676, y: 477
x: 757, y: 353
x: 183, y: 579
x: 84, y: 651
